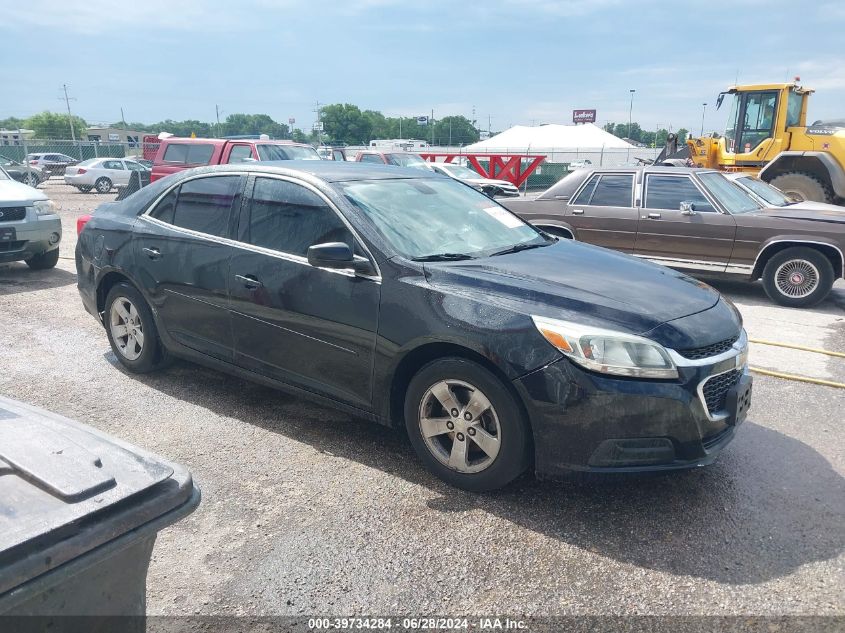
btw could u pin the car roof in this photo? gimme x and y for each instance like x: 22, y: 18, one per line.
x: 326, y: 170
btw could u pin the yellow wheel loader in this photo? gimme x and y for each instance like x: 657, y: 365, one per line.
x: 767, y: 134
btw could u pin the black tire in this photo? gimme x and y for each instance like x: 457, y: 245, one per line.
x: 803, y: 185
x: 806, y: 264
x: 84, y: 188
x: 152, y: 354
x: 103, y: 185
x: 44, y: 260
x: 511, y: 428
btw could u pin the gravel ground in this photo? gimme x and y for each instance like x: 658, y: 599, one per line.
x: 307, y: 511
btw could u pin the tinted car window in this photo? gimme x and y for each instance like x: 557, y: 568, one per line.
x: 613, y: 190
x: 205, y: 204
x: 371, y: 158
x: 287, y: 217
x: 668, y: 192
x: 587, y: 192
x: 165, y: 208
x: 189, y: 153
x: 240, y: 154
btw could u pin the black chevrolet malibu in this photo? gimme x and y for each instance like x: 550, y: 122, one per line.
x: 411, y: 299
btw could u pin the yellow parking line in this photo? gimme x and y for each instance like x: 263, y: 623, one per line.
x: 814, y: 381
x: 815, y: 350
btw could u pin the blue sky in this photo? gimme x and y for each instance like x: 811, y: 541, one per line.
x: 516, y: 61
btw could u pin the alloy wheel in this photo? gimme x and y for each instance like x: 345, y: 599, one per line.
x: 797, y: 278
x: 126, y: 328
x: 460, y: 426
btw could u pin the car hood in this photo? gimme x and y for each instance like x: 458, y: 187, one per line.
x: 578, y: 282
x: 813, y: 211
x: 14, y: 192
x: 490, y: 181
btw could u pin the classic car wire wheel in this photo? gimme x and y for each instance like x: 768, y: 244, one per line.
x: 797, y: 278
x: 460, y: 426
x: 126, y: 328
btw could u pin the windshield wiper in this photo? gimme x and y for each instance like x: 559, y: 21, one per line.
x: 442, y: 257
x: 521, y: 247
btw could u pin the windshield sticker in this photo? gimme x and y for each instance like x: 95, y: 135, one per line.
x: 510, y: 221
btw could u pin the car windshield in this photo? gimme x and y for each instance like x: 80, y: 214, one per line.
x: 458, y: 171
x: 772, y: 196
x: 733, y: 197
x: 287, y: 152
x: 424, y: 217
x: 408, y: 160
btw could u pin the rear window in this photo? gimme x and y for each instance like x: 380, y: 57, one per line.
x: 189, y: 153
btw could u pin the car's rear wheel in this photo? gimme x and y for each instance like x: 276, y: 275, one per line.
x: 132, y: 331
x: 103, y: 185
x: 798, y: 277
x: 465, y: 425
x: 44, y: 260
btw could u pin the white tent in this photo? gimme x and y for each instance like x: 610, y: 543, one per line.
x: 521, y: 138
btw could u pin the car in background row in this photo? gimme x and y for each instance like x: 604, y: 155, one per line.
x: 398, y: 159
x: 54, y: 164
x: 177, y: 154
x: 101, y: 174
x: 30, y: 229
x: 417, y: 302
x: 771, y: 196
x: 31, y: 175
x: 697, y: 220
x: 489, y: 186
x: 580, y: 164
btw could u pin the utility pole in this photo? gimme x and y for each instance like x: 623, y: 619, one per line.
x: 630, y: 112
x: 432, y: 126
x: 123, y: 118
x: 489, y: 125
x: 70, y: 119
x: 703, y: 112
x: 319, y: 131
x: 217, y: 112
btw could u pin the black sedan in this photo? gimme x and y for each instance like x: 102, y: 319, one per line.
x: 418, y: 302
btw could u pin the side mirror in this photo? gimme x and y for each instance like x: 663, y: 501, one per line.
x: 338, y: 256
x: 688, y: 208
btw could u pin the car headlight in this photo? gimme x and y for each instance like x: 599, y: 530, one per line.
x: 607, y: 351
x: 44, y: 207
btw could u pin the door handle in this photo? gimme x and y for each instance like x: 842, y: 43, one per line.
x: 652, y: 216
x: 249, y: 281
x: 152, y: 253
x: 577, y: 211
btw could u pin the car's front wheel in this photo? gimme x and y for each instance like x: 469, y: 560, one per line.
x: 466, y: 426
x: 798, y: 277
x: 132, y: 331
x: 44, y: 260
x: 103, y: 185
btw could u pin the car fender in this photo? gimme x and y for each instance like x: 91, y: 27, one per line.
x: 776, y: 242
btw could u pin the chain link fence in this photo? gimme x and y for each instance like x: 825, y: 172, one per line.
x: 35, y: 160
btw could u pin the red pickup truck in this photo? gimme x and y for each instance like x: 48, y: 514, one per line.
x: 175, y: 154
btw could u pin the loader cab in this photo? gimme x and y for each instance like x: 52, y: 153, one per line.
x: 759, y: 121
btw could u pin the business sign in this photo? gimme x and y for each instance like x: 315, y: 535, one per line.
x: 114, y: 137
x: 291, y: 121
x: 422, y: 120
x: 583, y: 116
x: 318, y: 126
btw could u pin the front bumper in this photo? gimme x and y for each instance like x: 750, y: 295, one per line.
x: 32, y: 236
x: 584, y: 421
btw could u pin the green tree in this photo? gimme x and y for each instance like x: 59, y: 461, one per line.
x: 454, y: 130
x: 50, y: 125
x: 346, y: 123
x: 12, y: 123
x: 239, y: 124
x: 682, y: 136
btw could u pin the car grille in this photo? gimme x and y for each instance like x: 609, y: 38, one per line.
x: 11, y: 247
x: 716, y: 389
x: 710, y: 350
x: 12, y: 214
